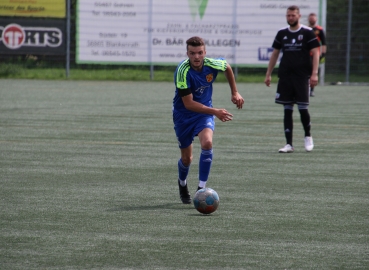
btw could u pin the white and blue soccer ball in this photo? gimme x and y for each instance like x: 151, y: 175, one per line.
x: 206, y: 200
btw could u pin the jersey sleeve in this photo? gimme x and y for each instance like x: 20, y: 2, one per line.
x: 277, y: 43
x: 181, y: 81
x: 322, y: 37
x: 218, y: 64
x: 312, y: 40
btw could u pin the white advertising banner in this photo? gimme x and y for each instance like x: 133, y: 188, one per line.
x: 155, y: 31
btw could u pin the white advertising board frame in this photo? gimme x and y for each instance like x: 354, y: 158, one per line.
x: 154, y: 32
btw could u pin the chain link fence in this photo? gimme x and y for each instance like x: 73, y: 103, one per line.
x: 338, y: 59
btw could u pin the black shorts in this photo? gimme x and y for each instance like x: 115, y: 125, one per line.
x: 293, y: 90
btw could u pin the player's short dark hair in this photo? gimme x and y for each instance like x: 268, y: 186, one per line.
x: 293, y: 8
x: 312, y: 14
x: 195, y: 42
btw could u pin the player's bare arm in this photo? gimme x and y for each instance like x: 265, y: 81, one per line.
x: 236, y: 97
x: 222, y: 114
x: 314, y: 73
x: 272, y: 63
x: 324, y: 49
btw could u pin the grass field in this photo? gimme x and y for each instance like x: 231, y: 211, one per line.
x: 142, y: 73
x: 89, y: 181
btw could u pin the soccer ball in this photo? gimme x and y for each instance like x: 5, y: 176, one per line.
x: 206, y: 200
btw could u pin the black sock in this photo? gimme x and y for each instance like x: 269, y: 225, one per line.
x: 288, y: 125
x: 305, y: 120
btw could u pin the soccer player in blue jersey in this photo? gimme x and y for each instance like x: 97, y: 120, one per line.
x: 193, y: 112
x: 296, y: 70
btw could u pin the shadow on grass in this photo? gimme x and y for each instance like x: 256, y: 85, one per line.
x: 170, y: 206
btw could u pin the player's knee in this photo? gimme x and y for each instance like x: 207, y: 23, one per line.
x: 207, y: 145
x: 186, y: 160
x: 303, y: 106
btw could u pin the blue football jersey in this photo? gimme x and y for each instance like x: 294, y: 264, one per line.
x: 200, y: 82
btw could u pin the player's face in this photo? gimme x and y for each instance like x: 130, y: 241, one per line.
x: 293, y: 17
x: 196, y: 56
x: 312, y: 20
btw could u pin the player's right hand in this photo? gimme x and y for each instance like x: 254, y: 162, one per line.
x: 223, y: 115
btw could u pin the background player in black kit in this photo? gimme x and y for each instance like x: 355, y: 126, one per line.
x: 319, y: 32
x: 296, y: 69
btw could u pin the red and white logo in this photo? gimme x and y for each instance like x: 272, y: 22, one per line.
x: 209, y: 77
x: 13, y: 36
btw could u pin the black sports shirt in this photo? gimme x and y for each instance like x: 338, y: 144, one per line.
x: 319, y: 32
x: 295, y: 46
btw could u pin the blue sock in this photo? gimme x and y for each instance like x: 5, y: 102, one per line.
x: 206, y: 158
x: 182, y: 171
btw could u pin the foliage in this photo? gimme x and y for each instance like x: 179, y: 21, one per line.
x: 336, y: 30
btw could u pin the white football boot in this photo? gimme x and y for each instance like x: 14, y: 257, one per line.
x: 309, y: 145
x: 286, y: 149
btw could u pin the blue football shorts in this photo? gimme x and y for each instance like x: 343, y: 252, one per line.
x: 187, y: 127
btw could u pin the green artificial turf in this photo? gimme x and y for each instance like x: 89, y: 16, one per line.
x: 88, y: 180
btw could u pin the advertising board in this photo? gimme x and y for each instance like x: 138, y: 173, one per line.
x: 32, y: 36
x: 155, y: 32
x: 33, y: 8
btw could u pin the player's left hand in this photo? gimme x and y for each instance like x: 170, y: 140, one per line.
x: 238, y: 100
x: 314, y: 80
